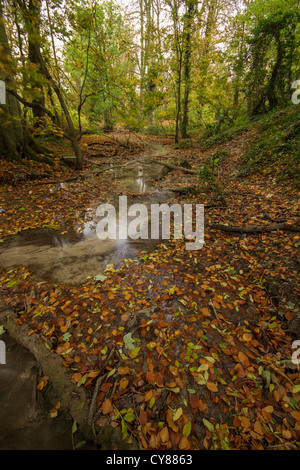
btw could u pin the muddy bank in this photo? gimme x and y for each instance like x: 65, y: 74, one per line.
x: 25, y: 411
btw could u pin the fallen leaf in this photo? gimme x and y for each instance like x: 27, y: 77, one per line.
x: 106, y: 406
x: 212, y: 387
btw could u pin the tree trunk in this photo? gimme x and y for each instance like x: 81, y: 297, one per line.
x: 33, y: 19
x: 187, y: 66
x: 12, y: 135
x: 16, y: 140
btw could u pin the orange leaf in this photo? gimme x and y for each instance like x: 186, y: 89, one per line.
x: 205, y: 311
x: 212, y: 387
x: 159, y: 379
x: 150, y: 377
x: 247, y: 337
x: 148, y: 395
x: 184, y: 444
x: 43, y: 382
x: 296, y: 415
x: 54, y: 410
x: 76, y: 377
x: 245, y: 421
x: 106, y: 406
x: 268, y: 409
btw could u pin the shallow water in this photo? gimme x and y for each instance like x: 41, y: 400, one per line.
x: 24, y: 411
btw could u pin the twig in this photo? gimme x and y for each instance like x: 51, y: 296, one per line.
x: 214, y: 310
x: 138, y: 418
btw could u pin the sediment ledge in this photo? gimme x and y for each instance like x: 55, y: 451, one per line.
x: 75, y: 401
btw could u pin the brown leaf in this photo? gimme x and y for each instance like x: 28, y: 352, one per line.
x: 243, y: 359
x: 245, y: 421
x: 184, y: 443
x: 105, y: 387
x: 106, y: 406
x: 143, y: 417
x: 194, y: 400
x: 169, y: 418
x: 150, y: 377
x: 164, y: 434
x: 258, y: 428
x: 174, y: 437
x: 124, y: 370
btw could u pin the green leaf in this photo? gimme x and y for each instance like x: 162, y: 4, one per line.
x: 82, y: 380
x: 188, y: 429
x: 296, y: 388
x: 208, y: 424
x: 111, y: 372
x: 129, y: 417
x: 12, y: 283
x: 135, y: 352
x: 80, y: 444
x: 151, y: 402
x: 124, y: 429
x: 74, y: 427
x: 100, y: 277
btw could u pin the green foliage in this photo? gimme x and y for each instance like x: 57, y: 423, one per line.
x: 277, y: 145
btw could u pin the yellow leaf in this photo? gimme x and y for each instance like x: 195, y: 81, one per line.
x: 123, y: 383
x: 177, y: 414
x: 43, y: 382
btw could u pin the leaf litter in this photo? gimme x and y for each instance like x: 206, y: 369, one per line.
x: 185, y: 350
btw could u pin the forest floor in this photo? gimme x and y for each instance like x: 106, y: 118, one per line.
x: 185, y: 349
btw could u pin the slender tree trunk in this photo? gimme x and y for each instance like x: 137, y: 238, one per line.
x: 34, y: 8
x: 32, y: 28
x: 187, y: 65
x: 16, y: 140
x: 11, y: 128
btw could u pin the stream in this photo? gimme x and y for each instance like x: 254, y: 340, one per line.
x: 70, y: 258
x: 55, y: 256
